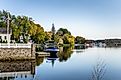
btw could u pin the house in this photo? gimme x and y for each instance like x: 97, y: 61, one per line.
x: 100, y: 43
x: 90, y: 43
x: 4, y: 37
x: 113, y: 42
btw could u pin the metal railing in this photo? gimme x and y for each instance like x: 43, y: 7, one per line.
x: 16, y: 45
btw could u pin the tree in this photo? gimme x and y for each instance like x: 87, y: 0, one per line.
x: 39, y: 36
x: 79, y: 40
x: 68, y: 39
x: 65, y: 35
x: 48, y: 35
x: 63, y: 31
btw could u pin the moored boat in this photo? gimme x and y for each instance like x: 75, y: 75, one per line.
x: 50, y: 46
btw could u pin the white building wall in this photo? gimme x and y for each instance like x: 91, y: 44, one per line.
x: 7, y: 38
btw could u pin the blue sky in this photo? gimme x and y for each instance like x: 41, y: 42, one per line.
x: 93, y: 19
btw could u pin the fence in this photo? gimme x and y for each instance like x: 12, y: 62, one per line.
x: 16, y: 45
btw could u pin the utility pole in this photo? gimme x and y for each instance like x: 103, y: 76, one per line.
x: 8, y: 37
x: 8, y: 18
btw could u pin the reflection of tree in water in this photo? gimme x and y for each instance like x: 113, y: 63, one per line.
x: 98, y: 70
x: 64, y: 53
x: 39, y: 60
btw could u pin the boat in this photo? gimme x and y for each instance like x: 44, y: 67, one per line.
x: 51, y: 49
x: 50, y: 46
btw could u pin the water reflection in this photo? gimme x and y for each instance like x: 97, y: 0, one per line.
x: 99, y: 70
x: 39, y: 60
x: 65, y: 53
x: 80, y: 47
x: 52, y: 58
x: 86, y: 66
x: 17, y: 70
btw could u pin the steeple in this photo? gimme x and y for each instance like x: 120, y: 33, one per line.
x: 53, y: 28
x: 53, y: 31
x: 53, y: 61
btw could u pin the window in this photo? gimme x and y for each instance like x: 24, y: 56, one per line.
x: 5, y: 37
x: 0, y: 39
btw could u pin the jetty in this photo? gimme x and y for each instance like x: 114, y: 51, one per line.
x: 42, y: 54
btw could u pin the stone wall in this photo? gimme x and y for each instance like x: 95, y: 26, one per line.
x: 17, y: 53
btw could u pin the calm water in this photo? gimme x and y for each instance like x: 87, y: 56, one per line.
x: 88, y: 64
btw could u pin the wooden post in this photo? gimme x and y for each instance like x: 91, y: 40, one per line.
x: 33, y: 51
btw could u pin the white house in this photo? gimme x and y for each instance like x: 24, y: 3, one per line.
x: 4, y: 37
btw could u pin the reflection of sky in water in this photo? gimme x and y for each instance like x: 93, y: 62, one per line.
x: 29, y: 77
x: 80, y: 66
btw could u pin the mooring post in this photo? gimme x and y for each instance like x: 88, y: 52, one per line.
x: 33, y: 51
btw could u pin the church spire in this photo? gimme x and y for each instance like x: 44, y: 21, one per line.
x: 53, y: 28
x: 53, y: 31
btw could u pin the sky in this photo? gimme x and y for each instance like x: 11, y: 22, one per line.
x: 92, y: 19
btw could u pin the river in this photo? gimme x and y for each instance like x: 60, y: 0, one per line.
x: 68, y: 64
